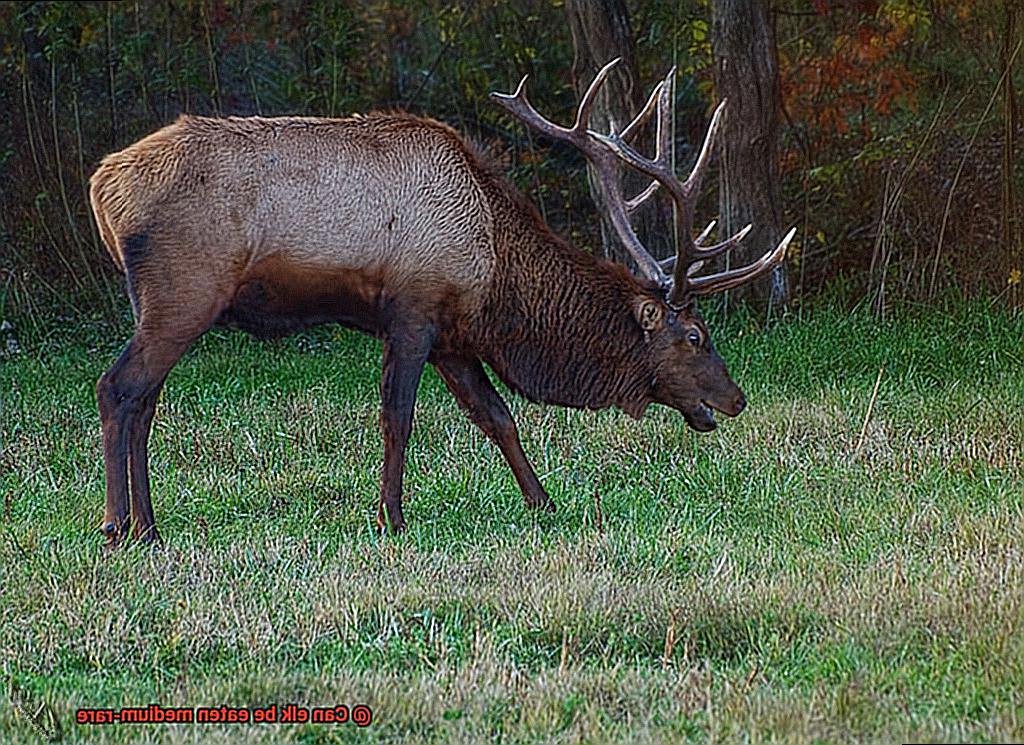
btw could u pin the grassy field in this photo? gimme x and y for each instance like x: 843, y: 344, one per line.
x: 805, y: 573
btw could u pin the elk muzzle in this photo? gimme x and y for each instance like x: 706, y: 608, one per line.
x: 700, y: 395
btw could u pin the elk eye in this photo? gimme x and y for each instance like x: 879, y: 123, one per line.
x: 694, y: 337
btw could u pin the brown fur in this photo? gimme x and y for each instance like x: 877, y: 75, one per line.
x: 391, y: 224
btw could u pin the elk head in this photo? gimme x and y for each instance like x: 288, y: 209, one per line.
x: 689, y: 375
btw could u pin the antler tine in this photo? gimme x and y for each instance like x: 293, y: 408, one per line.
x: 698, y: 254
x: 705, y: 233
x: 520, y: 107
x: 630, y: 131
x: 663, y: 151
x: 658, y: 168
x: 603, y: 162
x: 692, y: 185
x: 670, y: 262
x: 615, y: 143
x: 735, y: 277
x: 703, y: 253
x: 645, y: 114
x: 632, y: 204
x: 590, y: 97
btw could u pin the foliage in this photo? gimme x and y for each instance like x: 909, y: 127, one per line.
x: 860, y: 74
x: 884, y: 100
x: 862, y: 82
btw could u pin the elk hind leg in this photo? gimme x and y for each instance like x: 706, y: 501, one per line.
x: 127, y: 395
x: 164, y: 355
x: 112, y: 398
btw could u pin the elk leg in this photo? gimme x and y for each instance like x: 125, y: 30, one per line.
x: 113, y: 418
x: 127, y: 395
x: 468, y: 382
x: 143, y: 522
x: 405, y: 354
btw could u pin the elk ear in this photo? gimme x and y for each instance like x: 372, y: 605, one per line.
x: 649, y: 313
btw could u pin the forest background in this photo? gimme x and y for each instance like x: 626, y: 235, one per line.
x: 842, y: 563
x: 897, y: 120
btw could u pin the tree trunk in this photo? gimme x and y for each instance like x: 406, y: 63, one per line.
x: 600, y: 33
x: 747, y: 74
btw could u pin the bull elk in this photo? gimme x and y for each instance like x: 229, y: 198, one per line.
x: 396, y: 226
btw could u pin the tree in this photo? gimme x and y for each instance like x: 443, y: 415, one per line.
x: 747, y: 74
x: 600, y: 33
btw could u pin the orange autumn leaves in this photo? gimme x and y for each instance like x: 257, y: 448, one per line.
x: 862, y: 75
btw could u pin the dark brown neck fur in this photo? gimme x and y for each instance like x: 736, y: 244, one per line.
x: 558, y: 326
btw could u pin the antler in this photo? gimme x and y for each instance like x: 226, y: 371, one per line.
x: 603, y: 160
x: 606, y: 151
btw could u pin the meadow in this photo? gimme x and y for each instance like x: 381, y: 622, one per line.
x: 842, y: 562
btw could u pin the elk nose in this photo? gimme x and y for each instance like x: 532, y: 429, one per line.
x: 739, y: 403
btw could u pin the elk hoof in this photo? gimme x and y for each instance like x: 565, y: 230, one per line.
x: 148, y: 536
x: 395, y: 527
x: 544, y: 504
x: 390, y: 516
x: 115, y: 537
x: 117, y: 534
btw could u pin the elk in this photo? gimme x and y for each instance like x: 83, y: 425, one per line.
x: 394, y: 225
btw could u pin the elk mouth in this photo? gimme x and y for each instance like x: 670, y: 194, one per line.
x: 700, y: 418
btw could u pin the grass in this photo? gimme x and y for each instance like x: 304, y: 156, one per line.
x: 781, y: 579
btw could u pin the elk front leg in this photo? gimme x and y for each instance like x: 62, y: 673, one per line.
x: 468, y: 382
x: 405, y: 354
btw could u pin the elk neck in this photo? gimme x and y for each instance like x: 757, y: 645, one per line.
x: 558, y: 326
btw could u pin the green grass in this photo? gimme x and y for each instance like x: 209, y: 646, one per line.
x: 782, y: 578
